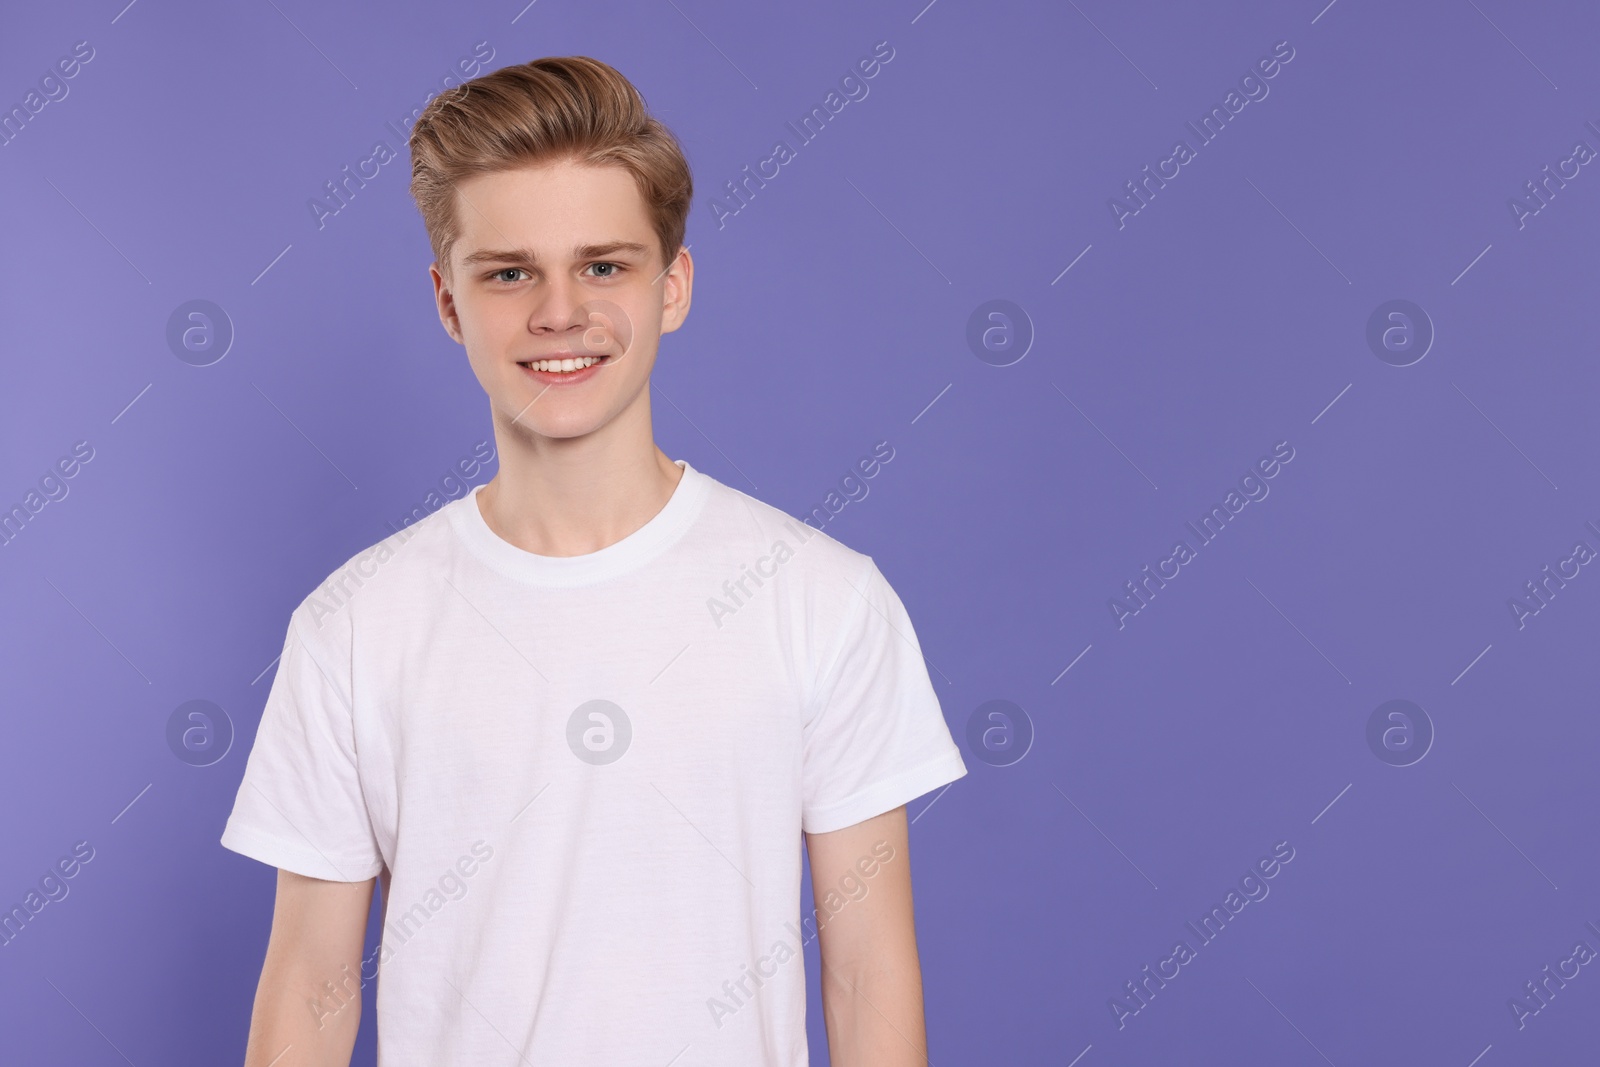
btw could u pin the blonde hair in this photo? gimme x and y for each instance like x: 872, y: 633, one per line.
x: 558, y: 108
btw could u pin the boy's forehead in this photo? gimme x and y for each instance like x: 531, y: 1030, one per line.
x: 550, y: 210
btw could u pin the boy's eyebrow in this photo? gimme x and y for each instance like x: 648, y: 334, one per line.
x: 524, y: 255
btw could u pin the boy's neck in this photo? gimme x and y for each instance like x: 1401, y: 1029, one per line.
x: 571, y: 497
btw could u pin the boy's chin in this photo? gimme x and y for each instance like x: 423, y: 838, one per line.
x: 556, y: 421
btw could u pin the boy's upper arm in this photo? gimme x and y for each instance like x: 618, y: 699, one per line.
x: 309, y: 997
x: 861, y: 882
x: 874, y: 736
x: 300, y: 805
x: 319, y: 923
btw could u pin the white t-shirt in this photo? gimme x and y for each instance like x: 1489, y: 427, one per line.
x: 583, y: 779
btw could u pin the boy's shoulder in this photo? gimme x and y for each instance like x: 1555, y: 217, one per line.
x: 770, y: 537
x: 392, y: 563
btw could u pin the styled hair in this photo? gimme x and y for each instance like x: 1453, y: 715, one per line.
x: 560, y: 108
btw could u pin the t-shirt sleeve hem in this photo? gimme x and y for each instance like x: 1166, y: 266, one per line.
x: 297, y: 856
x: 885, y: 795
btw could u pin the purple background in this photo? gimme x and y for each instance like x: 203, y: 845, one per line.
x: 831, y: 313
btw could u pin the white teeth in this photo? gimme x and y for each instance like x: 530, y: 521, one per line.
x: 563, y: 366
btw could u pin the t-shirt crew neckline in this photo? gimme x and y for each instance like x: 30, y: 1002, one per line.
x: 664, y: 528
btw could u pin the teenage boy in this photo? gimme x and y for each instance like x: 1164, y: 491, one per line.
x: 576, y: 719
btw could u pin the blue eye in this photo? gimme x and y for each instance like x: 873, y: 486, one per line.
x: 501, y: 274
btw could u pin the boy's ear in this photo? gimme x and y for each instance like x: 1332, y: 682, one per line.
x: 676, y: 293
x: 445, y: 300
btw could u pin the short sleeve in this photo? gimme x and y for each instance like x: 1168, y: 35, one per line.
x: 874, y: 737
x: 300, y: 806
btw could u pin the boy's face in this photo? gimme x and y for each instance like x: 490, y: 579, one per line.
x: 559, y: 261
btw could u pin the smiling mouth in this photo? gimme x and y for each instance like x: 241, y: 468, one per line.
x: 564, y: 365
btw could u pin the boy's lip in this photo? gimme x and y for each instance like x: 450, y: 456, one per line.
x: 562, y: 378
x: 564, y: 354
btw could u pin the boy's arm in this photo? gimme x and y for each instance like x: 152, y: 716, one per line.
x: 308, y: 1003
x: 871, y: 976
